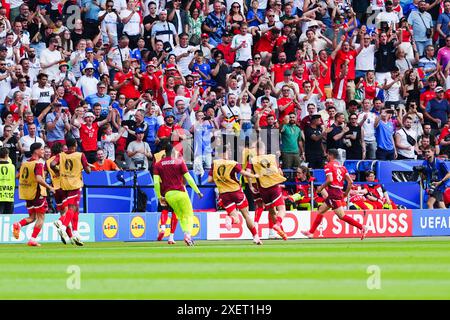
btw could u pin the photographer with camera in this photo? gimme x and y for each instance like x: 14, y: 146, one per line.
x: 434, y: 172
x: 139, y: 152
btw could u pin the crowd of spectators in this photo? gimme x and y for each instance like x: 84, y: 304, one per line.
x: 369, y: 78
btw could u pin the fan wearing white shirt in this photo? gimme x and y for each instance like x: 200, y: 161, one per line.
x: 132, y: 23
x: 242, y: 44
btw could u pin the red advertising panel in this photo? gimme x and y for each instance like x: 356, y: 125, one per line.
x: 380, y: 223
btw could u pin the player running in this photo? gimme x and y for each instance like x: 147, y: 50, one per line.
x: 270, y: 178
x: 69, y: 166
x: 224, y: 174
x: 165, y: 209
x: 168, y: 177
x: 33, y: 189
x: 57, y: 148
x: 336, y: 175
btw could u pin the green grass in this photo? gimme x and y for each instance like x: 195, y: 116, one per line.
x: 411, y: 268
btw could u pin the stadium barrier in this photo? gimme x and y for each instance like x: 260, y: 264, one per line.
x: 211, y: 226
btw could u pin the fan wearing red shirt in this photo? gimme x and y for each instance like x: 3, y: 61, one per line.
x: 72, y: 95
x: 279, y: 68
x: 172, y: 131
x: 343, y: 54
x: 429, y: 94
x: 324, y: 59
x: 286, y: 104
x: 336, y: 176
x: 266, y: 44
x: 264, y: 112
x: 228, y: 55
x: 89, y: 133
x: 125, y: 82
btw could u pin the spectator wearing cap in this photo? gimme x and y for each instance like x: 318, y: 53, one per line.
x: 242, y: 44
x: 132, y: 25
x: 89, y: 134
x: 287, y: 81
x: 384, y: 133
x: 179, y: 17
x: 225, y: 47
x: 314, y: 136
x: 205, y: 47
x: 90, y: 58
x: 184, y: 54
x: 172, y: 131
x: 64, y: 73
x: 139, y: 152
x: 165, y: 31
x: 100, y: 97
x: 215, y: 23
x: 437, y: 110
x: 109, y: 20
x: 88, y: 83
x: 57, y: 123
x: 50, y: 59
x: 420, y: 21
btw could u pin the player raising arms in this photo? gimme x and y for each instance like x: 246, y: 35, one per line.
x: 168, y: 177
x: 165, y: 209
x: 32, y: 188
x: 270, y: 176
x: 336, y: 175
x: 224, y: 174
x: 69, y: 166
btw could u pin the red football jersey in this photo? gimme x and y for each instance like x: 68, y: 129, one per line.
x: 337, y: 172
x: 171, y: 171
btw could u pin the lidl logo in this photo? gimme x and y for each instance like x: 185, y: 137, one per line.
x: 137, y: 226
x: 167, y: 231
x: 110, y: 227
x: 195, y: 227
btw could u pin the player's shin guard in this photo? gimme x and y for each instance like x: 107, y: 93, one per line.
x: 316, y: 223
x: 352, y: 221
x: 258, y: 213
x: 173, y: 223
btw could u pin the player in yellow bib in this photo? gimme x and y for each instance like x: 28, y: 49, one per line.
x: 224, y: 174
x: 69, y: 166
x: 269, y: 181
x: 33, y: 189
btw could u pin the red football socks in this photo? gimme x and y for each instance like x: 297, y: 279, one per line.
x: 258, y: 213
x: 316, y: 223
x: 35, y: 232
x: 75, y: 221
x: 253, y: 231
x: 164, y: 216
x: 67, y: 218
x: 173, y: 223
x: 352, y: 221
x: 23, y: 222
x: 69, y: 232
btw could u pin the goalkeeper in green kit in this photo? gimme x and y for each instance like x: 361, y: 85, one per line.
x: 170, y: 189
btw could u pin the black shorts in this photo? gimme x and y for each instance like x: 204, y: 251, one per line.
x: 438, y: 195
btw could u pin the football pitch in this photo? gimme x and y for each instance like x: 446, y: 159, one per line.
x: 376, y: 268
